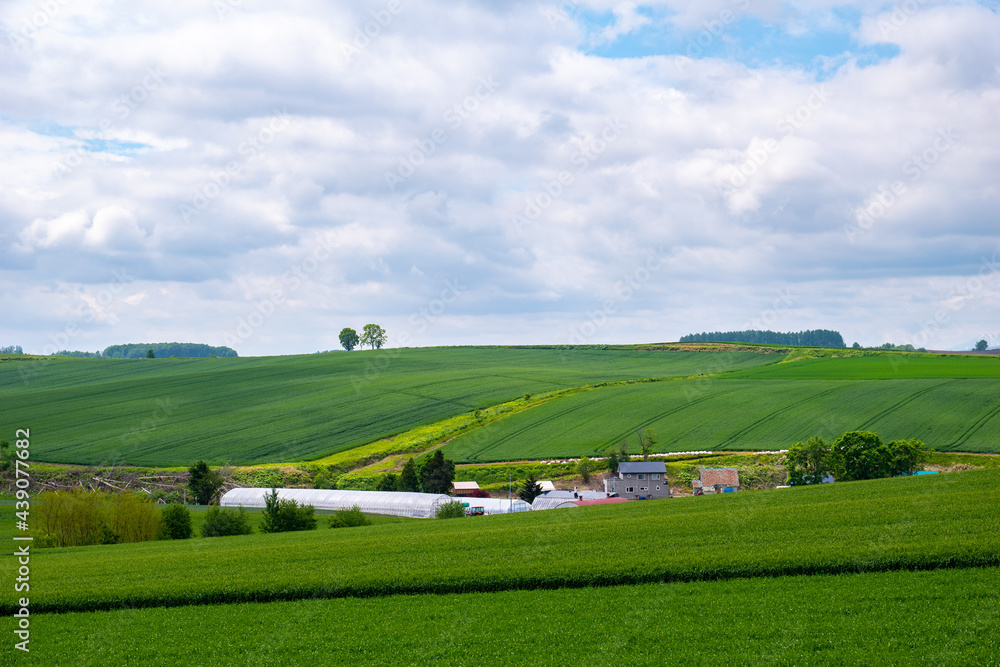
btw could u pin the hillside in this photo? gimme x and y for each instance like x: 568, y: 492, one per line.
x: 276, y: 409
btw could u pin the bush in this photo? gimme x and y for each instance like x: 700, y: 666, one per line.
x: 177, y: 522
x: 387, y: 482
x: 283, y: 515
x: 453, y: 510
x: 348, y: 518
x: 220, y: 522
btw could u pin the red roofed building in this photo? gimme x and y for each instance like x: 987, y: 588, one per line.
x: 718, y: 479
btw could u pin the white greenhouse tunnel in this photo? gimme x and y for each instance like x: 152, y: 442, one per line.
x: 392, y: 503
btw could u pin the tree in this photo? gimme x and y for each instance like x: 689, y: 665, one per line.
x: 981, y: 346
x: 583, y: 468
x: 348, y: 338
x: 150, y: 354
x: 857, y: 345
x: 375, y: 336
x: 436, y: 473
x: 809, y: 463
x: 204, y: 483
x: 530, y: 489
x: 408, y: 479
x: 321, y: 481
x: 647, y: 439
x: 863, y: 455
x: 177, y: 522
x: 284, y: 514
x: 387, y: 482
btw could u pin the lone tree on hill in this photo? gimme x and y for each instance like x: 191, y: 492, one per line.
x: 981, y: 346
x: 375, y: 336
x: 204, y: 483
x: 530, y: 489
x: 436, y: 473
x: 348, y: 338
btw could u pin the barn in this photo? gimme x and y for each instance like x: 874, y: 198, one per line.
x: 392, y: 503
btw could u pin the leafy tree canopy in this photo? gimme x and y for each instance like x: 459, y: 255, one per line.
x: 348, y: 338
x: 375, y: 336
x: 203, y: 483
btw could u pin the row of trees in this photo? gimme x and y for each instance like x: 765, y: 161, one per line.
x: 11, y: 349
x: 853, y: 456
x: 372, y: 335
x: 811, y: 338
x: 434, y: 474
x: 140, y: 350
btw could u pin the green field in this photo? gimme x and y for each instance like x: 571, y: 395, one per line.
x: 944, y: 617
x: 947, y: 520
x: 887, y: 367
x: 744, y: 414
x: 279, y: 409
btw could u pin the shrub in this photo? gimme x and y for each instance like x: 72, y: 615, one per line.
x: 453, y: 510
x: 387, y: 482
x: 220, y: 522
x: 348, y: 518
x: 177, y: 522
x: 283, y: 514
x: 79, y: 518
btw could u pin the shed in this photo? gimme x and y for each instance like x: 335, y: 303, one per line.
x: 393, y: 503
x: 719, y: 478
x: 464, y: 488
x: 547, y: 485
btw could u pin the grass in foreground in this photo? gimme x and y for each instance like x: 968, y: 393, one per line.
x: 947, y: 520
x: 901, y: 618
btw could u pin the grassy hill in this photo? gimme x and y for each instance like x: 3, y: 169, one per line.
x: 948, y: 402
x: 278, y: 409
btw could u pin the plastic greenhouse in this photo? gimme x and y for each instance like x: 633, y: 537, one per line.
x: 543, y: 503
x: 394, y: 503
x: 497, y: 505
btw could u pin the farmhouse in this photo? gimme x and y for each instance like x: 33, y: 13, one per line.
x: 716, y: 480
x: 641, y: 480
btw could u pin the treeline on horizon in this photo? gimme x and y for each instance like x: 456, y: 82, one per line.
x: 813, y: 338
x: 139, y: 350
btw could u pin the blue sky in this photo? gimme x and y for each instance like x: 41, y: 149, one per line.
x: 597, y: 171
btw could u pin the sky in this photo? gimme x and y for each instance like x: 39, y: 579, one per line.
x: 262, y: 175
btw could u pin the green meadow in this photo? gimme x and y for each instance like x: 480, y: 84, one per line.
x: 915, y: 523
x: 170, y: 412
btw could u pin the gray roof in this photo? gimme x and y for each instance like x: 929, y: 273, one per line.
x: 642, y: 466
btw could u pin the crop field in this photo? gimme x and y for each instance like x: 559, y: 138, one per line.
x: 166, y: 412
x: 945, y: 617
x: 743, y: 414
x: 945, y: 521
x: 887, y: 367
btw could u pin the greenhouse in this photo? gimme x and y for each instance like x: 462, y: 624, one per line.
x: 393, y: 503
x: 497, y: 505
x: 543, y: 503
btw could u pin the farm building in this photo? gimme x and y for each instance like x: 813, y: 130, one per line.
x: 640, y: 480
x: 393, y: 503
x: 716, y: 480
x: 498, y: 505
x: 544, y: 502
x: 546, y: 485
x: 566, y: 494
x: 460, y: 489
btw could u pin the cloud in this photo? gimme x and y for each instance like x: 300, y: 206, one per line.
x: 808, y: 163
